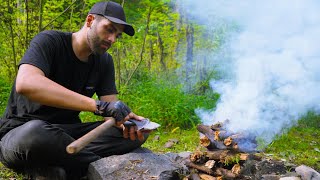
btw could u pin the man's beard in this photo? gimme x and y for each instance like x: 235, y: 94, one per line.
x: 95, y: 42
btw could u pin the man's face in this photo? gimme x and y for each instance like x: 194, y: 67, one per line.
x: 102, y: 34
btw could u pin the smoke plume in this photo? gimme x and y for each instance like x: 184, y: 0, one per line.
x: 269, y: 61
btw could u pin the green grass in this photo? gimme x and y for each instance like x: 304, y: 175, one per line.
x: 188, y: 140
x: 164, y: 101
x: 301, y: 144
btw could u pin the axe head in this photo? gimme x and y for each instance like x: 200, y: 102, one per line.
x: 144, y: 124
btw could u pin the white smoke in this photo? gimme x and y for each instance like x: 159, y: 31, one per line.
x: 274, y: 62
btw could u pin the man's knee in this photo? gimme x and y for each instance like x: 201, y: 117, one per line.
x: 145, y: 135
x: 131, y: 145
x: 30, y: 134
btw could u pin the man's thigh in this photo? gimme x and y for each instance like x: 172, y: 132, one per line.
x: 38, y: 143
x: 111, y: 142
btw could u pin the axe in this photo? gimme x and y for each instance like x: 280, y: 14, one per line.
x: 80, y: 143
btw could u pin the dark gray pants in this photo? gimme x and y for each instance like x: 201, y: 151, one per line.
x: 40, y: 144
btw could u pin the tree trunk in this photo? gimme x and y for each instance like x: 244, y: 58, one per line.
x: 118, y: 68
x: 163, y: 64
x: 27, y: 24
x: 71, y: 14
x: 151, y: 54
x: 12, y: 39
x: 189, y: 59
x: 203, y: 74
x: 179, y: 26
x: 40, y: 15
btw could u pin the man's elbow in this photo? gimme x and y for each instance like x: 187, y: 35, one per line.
x: 27, y: 79
x: 22, y: 85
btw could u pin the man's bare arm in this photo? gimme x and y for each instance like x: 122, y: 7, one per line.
x: 32, y: 83
x: 109, y: 98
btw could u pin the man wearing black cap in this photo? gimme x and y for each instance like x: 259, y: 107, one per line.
x: 57, y: 77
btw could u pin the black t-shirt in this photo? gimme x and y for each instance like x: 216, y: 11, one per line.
x: 51, y: 51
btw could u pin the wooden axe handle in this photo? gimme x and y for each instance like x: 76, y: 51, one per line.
x: 80, y: 143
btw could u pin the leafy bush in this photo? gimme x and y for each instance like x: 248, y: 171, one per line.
x: 5, y: 88
x: 163, y: 101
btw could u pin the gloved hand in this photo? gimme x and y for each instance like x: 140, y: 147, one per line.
x: 116, y: 109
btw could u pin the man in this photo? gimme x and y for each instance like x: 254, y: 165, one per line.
x: 57, y: 77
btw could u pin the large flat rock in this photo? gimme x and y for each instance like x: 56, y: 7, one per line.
x: 137, y: 165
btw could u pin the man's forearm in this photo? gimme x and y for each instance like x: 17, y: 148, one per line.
x: 35, y: 86
x: 109, y: 98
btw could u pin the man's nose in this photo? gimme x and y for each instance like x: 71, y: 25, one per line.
x: 112, y: 38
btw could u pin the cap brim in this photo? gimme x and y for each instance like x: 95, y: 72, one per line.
x: 128, y: 29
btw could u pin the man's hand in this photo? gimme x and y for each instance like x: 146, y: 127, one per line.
x: 116, y: 109
x: 132, y: 132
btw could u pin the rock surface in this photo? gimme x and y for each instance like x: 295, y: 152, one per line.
x: 143, y: 164
x: 307, y: 173
x: 138, y: 165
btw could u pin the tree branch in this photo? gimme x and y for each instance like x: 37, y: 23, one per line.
x: 59, y: 15
x: 142, y: 48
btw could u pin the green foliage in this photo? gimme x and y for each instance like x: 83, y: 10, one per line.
x: 6, y: 173
x: 164, y: 102
x: 229, y: 160
x: 89, y: 116
x: 301, y: 144
x: 5, y: 88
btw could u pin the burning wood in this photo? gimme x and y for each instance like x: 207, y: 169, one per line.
x: 227, y: 141
x: 204, y: 141
x: 236, y: 169
x: 216, y: 126
x: 223, y: 155
x: 221, y: 158
x: 225, y: 173
x: 210, y: 134
x: 198, y: 157
x: 221, y: 139
x: 201, y: 168
x: 210, y: 164
x: 208, y: 177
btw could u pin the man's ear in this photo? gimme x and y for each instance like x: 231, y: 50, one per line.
x: 89, y: 20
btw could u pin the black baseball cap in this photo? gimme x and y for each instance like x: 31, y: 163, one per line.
x: 114, y: 12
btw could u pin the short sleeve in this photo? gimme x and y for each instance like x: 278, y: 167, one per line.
x: 41, y: 52
x: 106, y: 84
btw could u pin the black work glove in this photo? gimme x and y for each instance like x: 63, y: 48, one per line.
x: 116, y: 109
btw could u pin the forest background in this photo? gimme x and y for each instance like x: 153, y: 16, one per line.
x: 158, y: 73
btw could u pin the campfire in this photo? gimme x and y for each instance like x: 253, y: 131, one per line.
x: 221, y: 155
x: 224, y: 153
x: 217, y: 137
